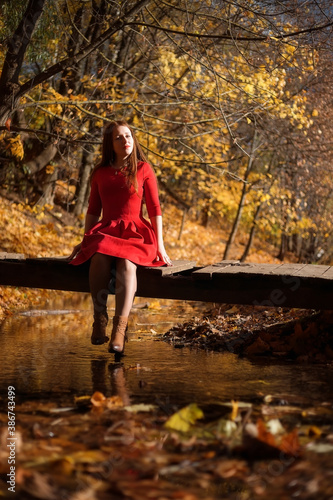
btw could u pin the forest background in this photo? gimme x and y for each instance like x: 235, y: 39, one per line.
x: 231, y: 100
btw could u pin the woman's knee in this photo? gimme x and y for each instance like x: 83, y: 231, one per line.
x: 126, y: 266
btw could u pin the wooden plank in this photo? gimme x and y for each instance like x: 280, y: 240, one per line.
x: 177, y: 267
x: 36, y: 273
x: 255, y: 290
x: 11, y: 256
x: 251, y: 268
x: 269, y: 285
x: 328, y: 274
x: 243, y: 269
x: 56, y: 273
x: 226, y: 263
x: 48, y: 260
x: 312, y: 271
x: 288, y: 269
x: 207, y: 271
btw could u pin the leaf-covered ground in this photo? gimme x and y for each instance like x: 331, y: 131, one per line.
x: 254, y: 331
x: 99, y: 447
x: 35, y: 233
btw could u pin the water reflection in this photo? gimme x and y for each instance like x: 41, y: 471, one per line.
x: 118, y: 382
x: 50, y: 356
x: 101, y: 371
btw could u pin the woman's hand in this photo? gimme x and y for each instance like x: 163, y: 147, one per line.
x: 162, y: 255
x: 76, y: 250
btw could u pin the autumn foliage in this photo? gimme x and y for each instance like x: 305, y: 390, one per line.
x: 231, y: 102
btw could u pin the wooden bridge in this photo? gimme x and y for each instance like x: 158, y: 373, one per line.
x: 229, y: 282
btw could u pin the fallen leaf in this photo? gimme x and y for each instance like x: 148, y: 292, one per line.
x: 234, y: 412
x: 98, y: 399
x: 184, y: 418
x: 142, y: 407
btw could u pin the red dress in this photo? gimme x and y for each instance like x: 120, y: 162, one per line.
x: 122, y: 231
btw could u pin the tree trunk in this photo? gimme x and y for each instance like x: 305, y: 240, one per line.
x: 182, y: 225
x: 17, y: 46
x: 68, y: 80
x: 37, y: 164
x: 283, y: 247
x: 252, y: 233
x: 83, y: 184
x: 234, y: 229
x: 10, y: 90
x: 48, y: 188
x: 256, y: 215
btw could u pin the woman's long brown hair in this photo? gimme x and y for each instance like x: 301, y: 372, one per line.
x: 108, y: 154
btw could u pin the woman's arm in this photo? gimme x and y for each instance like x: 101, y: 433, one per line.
x: 158, y: 230
x: 90, y: 222
x: 154, y: 211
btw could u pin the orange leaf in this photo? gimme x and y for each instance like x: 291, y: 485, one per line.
x: 290, y: 443
x: 98, y: 399
x: 264, y: 435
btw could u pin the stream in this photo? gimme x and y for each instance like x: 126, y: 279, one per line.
x: 46, y: 354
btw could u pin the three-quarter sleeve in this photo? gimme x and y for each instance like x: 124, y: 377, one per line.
x: 151, y: 192
x: 95, y: 203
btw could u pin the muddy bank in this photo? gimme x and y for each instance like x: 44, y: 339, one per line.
x: 284, y: 334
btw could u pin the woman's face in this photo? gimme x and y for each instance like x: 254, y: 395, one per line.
x: 123, y: 142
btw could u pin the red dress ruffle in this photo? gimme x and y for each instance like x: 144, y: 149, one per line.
x: 122, y: 231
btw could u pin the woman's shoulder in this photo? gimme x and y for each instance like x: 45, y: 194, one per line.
x: 145, y: 168
x: 142, y: 164
x: 100, y: 172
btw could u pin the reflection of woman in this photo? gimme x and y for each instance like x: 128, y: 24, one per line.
x: 118, y: 382
x: 117, y: 376
x: 122, y: 236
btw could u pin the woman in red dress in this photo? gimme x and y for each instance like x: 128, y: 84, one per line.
x: 116, y: 231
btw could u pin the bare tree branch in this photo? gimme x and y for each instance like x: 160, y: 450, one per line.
x: 262, y: 38
x: 84, y: 52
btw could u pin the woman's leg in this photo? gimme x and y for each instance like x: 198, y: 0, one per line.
x: 99, y: 279
x: 126, y: 284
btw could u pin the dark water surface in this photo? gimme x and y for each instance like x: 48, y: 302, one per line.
x: 47, y: 354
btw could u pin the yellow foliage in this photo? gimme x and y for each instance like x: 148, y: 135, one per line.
x: 53, y: 94
x: 49, y: 169
x: 23, y: 233
x: 15, y: 148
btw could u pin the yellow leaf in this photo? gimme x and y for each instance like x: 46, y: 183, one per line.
x: 155, y: 304
x: 234, y: 412
x: 184, y: 418
x: 314, y: 431
x: 87, y: 456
